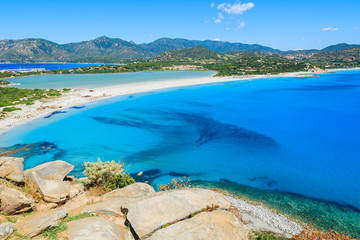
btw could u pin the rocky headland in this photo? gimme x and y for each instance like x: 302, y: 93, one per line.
x: 45, y: 203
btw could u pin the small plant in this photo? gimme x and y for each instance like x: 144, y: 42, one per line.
x: 109, y: 175
x: 176, y: 183
x: 237, y: 214
x: 267, y: 236
x: 11, y: 220
x: 52, y: 233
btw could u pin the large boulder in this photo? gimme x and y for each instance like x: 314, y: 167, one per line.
x: 95, y: 228
x: 56, y: 170
x: 215, y: 225
x: 12, y: 168
x: 13, y: 201
x: 131, y: 191
x: 53, y: 191
x: 6, y: 229
x: 37, y: 223
x: 151, y: 213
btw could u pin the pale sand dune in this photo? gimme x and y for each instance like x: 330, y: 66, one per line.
x: 77, y: 96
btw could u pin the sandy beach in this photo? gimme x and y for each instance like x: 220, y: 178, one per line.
x: 82, y: 96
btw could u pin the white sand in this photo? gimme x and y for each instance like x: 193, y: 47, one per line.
x: 77, y: 96
x: 260, y: 218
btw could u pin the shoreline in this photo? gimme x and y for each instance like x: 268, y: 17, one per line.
x: 84, y: 96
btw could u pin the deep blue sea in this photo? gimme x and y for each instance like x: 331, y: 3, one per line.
x: 47, y: 66
x: 293, y: 135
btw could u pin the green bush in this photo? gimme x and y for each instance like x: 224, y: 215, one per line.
x: 10, y: 109
x: 110, y: 175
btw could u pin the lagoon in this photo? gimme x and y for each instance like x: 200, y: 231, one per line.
x: 102, y: 80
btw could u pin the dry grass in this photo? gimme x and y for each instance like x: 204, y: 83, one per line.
x: 313, y: 234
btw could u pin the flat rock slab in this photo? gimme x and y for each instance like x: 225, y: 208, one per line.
x: 111, y: 206
x: 13, y: 201
x: 216, y: 225
x: 94, y: 228
x: 12, y: 168
x: 149, y: 214
x: 55, y: 170
x: 35, y: 224
x: 131, y: 191
x: 6, y: 229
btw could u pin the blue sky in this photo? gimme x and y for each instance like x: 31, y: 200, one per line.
x: 282, y: 24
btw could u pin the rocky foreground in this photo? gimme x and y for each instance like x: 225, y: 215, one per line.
x: 52, y: 200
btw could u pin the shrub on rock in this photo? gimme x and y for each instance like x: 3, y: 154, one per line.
x: 110, y: 175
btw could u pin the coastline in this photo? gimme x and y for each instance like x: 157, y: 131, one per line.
x: 84, y: 96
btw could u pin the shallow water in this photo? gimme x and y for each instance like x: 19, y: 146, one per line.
x: 286, y: 134
x: 102, y: 80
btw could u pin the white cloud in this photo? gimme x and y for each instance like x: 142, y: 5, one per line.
x: 319, y: 41
x: 217, y: 21
x: 220, y: 15
x: 241, y: 25
x: 227, y: 29
x: 212, y: 5
x: 236, y: 8
x: 331, y: 29
x: 152, y: 35
x: 217, y: 39
x: 356, y: 28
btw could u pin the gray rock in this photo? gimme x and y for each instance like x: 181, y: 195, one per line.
x: 6, y: 229
x: 151, y: 213
x: 76, y: 189
x: 53, y: 191
x: 37, y: 223
x: 12, y: 168
x: 131, y: 191
x: 56, y: 170
x: 216, y: 225
x: 111, y: 206
x: 13, y: 201
x: 94, y: 228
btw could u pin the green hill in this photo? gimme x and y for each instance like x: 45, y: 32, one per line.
x: 340, y: 47
x: 189, y: 54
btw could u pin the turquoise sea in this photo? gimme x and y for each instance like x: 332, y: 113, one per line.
x: 291, y: 143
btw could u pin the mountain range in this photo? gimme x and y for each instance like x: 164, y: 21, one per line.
x: 105, y: 49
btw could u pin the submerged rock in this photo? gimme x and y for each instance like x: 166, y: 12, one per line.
x: 95, y: 228
x: 35, y: 224
x: 6, y: 229
x: 12, y: 168
x: 149, y: 214
x: 13, y: 201
x: 215, y: 225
